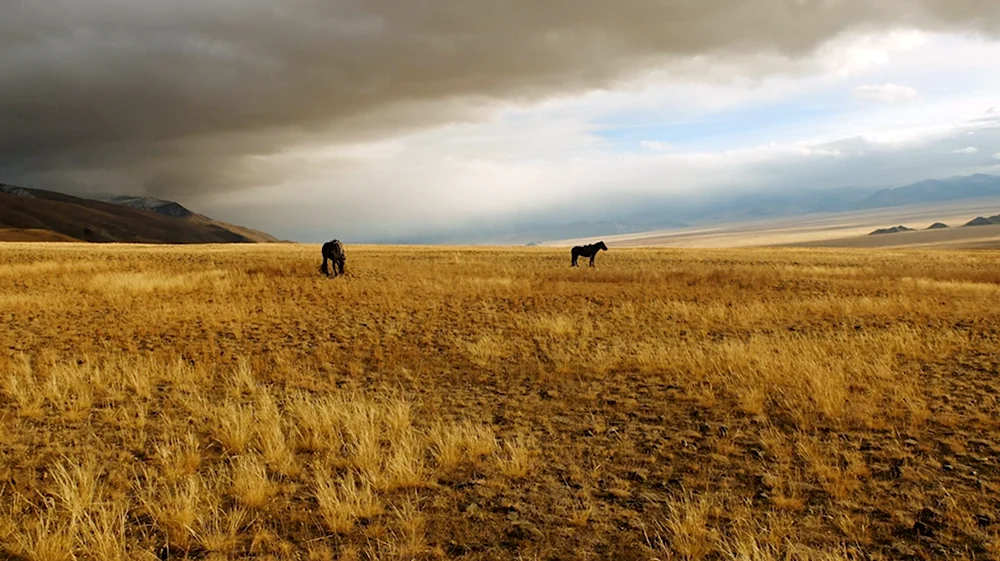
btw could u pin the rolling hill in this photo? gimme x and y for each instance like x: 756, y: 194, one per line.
x: 38, y: 215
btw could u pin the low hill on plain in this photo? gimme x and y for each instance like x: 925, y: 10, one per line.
x: 982, y: 221
x: 893, y: 230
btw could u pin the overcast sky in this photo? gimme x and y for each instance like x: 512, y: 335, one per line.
x: 374, y: 119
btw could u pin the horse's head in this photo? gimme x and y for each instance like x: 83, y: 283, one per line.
x: 600, y: 245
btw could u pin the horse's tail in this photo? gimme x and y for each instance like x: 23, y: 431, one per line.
x: 325, y: 251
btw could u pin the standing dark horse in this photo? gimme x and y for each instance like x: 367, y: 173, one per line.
x: 333, y: 251
x: 588, y: 251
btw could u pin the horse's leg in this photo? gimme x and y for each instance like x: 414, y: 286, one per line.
x: 574, y: 264
x: 592, y: 259
x: 324, y: 267
x: 340, y: 265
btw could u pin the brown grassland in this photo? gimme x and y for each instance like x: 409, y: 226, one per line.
x: 227, y: 402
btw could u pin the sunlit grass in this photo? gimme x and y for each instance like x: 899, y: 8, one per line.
x: 227, y: 402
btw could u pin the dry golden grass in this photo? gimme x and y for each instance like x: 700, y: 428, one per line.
x: 226, y: 402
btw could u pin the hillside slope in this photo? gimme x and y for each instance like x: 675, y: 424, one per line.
x: 176, y: 210
x: 27, y: 214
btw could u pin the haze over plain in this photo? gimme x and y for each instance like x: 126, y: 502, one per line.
x: 406, y: 122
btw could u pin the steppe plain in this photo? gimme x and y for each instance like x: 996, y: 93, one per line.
x: 227, y: 402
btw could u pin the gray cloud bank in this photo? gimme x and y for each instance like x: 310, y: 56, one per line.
x: 824, y: 177
x: 181, y: 98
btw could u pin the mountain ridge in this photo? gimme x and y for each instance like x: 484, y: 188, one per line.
x: 936, y: 190
x: 159, y: 206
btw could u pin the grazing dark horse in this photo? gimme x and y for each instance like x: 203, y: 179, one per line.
x: 333, y: 251
x: 587, y: 251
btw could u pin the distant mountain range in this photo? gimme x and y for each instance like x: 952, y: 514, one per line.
x: 752, y: 206
x: 935, y: 190
x: 38, y: 215
x: 678, y: 212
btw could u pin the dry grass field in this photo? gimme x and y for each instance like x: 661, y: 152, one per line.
x: 226, y: 402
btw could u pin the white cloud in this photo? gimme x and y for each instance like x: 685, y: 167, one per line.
x: 648, y: 140
x: 996, y: 156
x: 966, y: 150
x: 888, y: 93
x: 819, y: 151
x: 655, y: 145
x: 855, y: 54
x: 454, y: 170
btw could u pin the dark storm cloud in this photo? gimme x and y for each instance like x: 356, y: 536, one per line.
x: 174, y: 98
